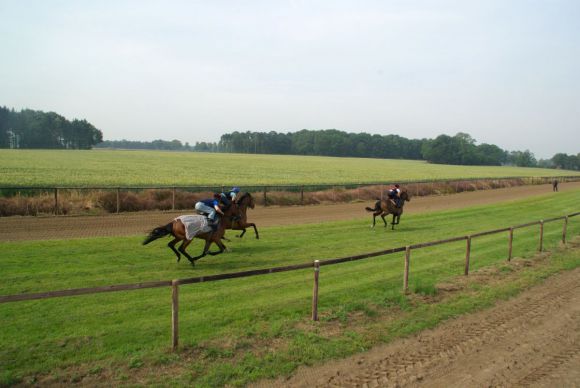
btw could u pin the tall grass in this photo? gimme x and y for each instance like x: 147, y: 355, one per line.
x: 235, y: 331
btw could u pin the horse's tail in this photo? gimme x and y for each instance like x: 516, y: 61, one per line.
x: 159, y: 232
x: 377, y: 206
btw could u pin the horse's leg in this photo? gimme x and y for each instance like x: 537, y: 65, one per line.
x: 205, y: 249
x: 182, y: 247
x: 393, y: 223
x: 221, y: 246
x: 374, y: 222
x: 255, y: 230
x: 398, y: 218
x: 171, y: 245
x: 383, y: 215
x: 247, y: 226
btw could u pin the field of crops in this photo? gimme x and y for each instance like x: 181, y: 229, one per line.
x: 150, y: 168
x: 236, y: 331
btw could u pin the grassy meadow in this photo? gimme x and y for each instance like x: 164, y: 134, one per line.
x: 152, y: 168
x: 237, y: 331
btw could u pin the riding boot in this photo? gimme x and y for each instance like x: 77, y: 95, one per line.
x: 213, y: 224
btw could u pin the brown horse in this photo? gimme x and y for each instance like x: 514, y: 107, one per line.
x: 177, y: 229
x: 386, y: 206
x: 241, y: 222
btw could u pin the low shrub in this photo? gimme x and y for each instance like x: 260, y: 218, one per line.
x: 88, y: 201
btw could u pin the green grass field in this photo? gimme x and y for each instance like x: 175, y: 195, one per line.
x: 151, y: 168
x: 236, y: 331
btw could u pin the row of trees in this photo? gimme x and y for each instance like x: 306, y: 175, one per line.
x: 173, y: 145
x: 330, y: 142
x: 460, y: 149
x: 35, y: 129
x: 565, y: 161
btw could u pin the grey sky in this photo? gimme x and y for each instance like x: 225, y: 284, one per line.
x: 505, y: 71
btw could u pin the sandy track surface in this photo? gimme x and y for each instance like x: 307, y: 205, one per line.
x: 531, y: 340
x: 127, y: 224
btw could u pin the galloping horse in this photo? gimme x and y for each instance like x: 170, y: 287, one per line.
x: 385, y: 207
x: 246, y: 201
x: 178, y: 230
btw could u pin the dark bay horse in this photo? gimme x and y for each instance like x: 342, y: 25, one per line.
x: 385, y: 207
x: 241, y: 222
x: 177, y: 229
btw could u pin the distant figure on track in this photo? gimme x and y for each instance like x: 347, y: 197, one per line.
x: 555, y: 185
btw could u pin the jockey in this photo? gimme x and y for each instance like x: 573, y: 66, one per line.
x: 210, y: 207
x: 395, y: 195
x: 230, y: 196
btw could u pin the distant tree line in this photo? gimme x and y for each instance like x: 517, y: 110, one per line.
x: 329, y: 142
x: 563, y: 161
x: 173, y: 145
x: 460, y: 149
x: 35, y: 129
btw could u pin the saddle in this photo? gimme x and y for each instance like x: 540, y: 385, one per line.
x: 194, y: 225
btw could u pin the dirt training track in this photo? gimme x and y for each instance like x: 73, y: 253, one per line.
x: 532, y: 340
x: 128, y: 224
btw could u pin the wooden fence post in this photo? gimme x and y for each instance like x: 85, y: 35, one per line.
x: 467, y: 255
x: 564, y: 230
x: 173, y: 199
x: 315, y: 291
x: 541, y: 235
x: 407, y: 265
x: 174, y: 314
x: 302, y: 195
x: 118, y: 200
x: 56, y: 201
x: 510, y: 243
x: 265, y: 198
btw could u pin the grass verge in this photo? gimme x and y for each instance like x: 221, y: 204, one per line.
x: 238, y: 331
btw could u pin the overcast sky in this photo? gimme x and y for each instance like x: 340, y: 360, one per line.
x: 505, y: 71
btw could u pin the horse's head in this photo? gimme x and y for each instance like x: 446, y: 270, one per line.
x: 405, y: 196
x: 246, y: 200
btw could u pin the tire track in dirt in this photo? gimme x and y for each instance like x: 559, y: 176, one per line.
x: 553, y: 364
x: 532, y: 340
